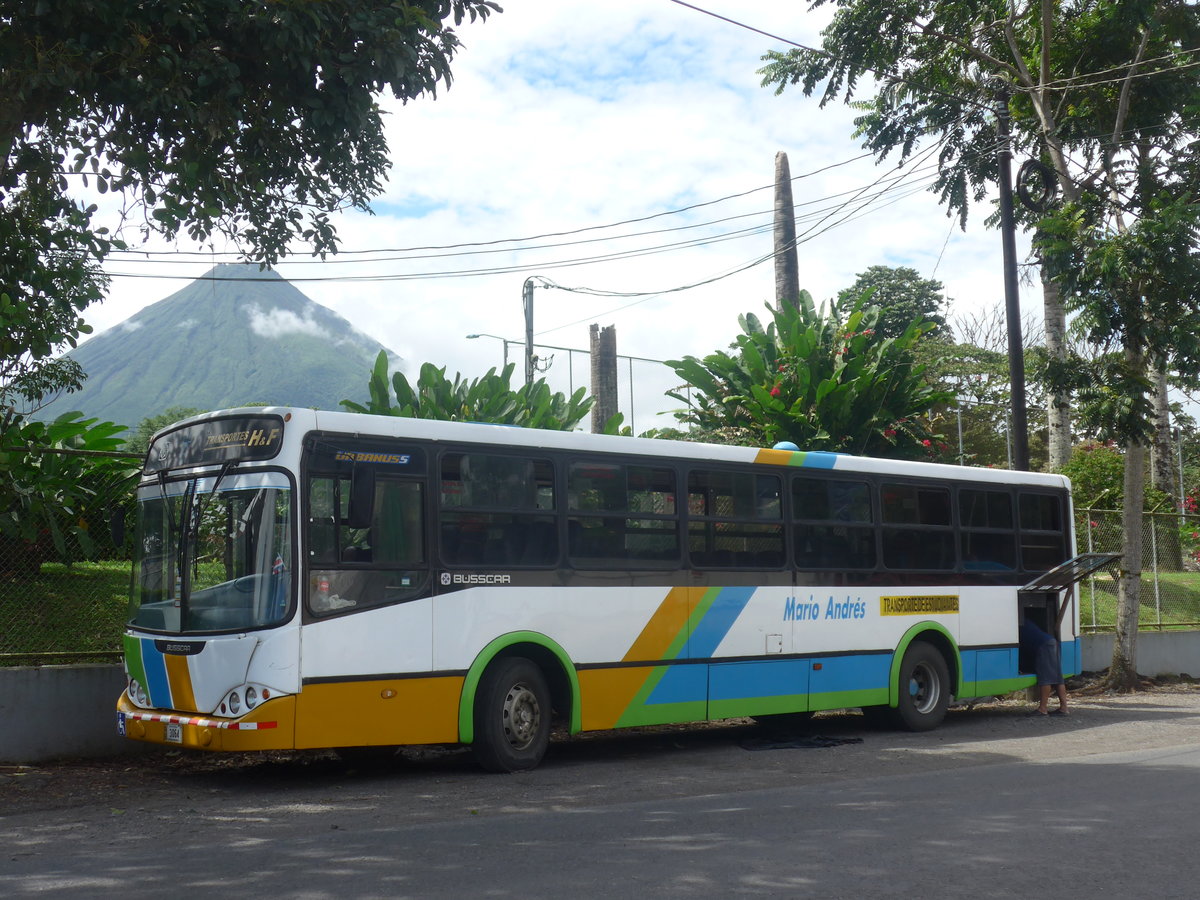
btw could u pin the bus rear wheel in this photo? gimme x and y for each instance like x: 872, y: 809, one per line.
x: 924, y: 688
x: 512, y: 716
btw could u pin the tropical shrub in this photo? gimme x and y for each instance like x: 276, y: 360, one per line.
x: 490, y: 398
x: 816, y: 380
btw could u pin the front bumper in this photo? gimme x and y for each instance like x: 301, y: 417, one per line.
x: 270, y: 726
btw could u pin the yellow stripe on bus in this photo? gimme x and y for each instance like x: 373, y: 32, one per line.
x: 180, y: 677
x: 662, y: 629
x: 607, y: 693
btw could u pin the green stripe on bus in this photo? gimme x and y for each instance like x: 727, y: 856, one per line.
x: 997, y: 686
x: 133, y: 659
x: 663, y: 713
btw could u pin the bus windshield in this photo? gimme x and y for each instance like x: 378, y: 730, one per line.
x: 213, y: 554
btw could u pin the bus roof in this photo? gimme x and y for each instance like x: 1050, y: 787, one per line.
x: 366, y: 426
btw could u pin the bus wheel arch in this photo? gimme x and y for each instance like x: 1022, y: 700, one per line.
x: 555, y: 666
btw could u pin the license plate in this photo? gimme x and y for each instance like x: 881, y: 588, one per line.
x: 174, y: 733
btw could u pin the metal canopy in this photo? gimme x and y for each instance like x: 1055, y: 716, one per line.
x: 1063, y: 576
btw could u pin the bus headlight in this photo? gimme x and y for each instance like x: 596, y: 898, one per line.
x: 137, y: 693
x: 244, y: 698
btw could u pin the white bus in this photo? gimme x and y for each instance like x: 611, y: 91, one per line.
x: 309, y: 579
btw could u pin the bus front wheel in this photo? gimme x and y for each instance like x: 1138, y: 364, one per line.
x: 924, y: 688
x: 512, y: 716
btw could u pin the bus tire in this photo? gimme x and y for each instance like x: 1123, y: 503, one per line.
x: 924, y: 688
x: 512, y: 716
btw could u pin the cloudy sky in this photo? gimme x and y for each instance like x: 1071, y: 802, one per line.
x: 568, y: 118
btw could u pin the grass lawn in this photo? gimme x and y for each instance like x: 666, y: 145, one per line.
x: 1177, y: 601
x: 66, y: 609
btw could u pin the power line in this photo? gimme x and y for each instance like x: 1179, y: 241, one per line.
x: 546, y: 236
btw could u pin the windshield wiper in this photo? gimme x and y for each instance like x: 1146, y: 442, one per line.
x: 190, y: 516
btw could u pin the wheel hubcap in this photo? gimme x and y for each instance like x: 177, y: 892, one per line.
x: 522, y: 716
x: 924, y: 688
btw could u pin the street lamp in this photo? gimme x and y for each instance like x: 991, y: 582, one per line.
x: 497, y: 337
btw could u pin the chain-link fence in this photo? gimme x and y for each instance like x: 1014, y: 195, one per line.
x: 64, y: 573
x: 1169, y: 595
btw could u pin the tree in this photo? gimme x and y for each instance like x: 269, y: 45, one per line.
x: 1071, y: 74
x: 971, y: 361
x: 253, y: 120
x: 51, y: 489
x: 902, y: 296
x: 487, y: 399
x: 149, y: 426
x: 1139, y: 284
x: 817, y: 380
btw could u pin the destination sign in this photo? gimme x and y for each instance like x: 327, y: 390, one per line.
x: 239, y: 438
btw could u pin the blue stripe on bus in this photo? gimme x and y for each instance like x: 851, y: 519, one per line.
x: 1072, y: 657
x: 850, y: 673
x: 761, y: 678
x: 989, y: 665
x: 718, y: 619
x: 773, y: 678
x: 819, y: 459
x: 681, y: 684
x: 158, y: 685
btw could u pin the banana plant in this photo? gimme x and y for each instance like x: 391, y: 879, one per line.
x: 489, y: 398
x: 817, y: 380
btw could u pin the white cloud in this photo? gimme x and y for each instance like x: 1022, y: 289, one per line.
x: 275, y: 322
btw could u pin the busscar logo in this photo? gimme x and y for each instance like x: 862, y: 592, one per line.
x: 473, y: 578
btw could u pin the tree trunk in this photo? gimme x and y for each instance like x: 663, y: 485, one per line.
x: 1058, y: 405
x: 1162, y: 455
x: 1165, y: 476
x: 787, y: 266
x: 604, y: 375
x: 1122, y: 675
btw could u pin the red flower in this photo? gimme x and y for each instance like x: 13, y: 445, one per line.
x: 775, y: 391
x: 889, y: 432
x: 927, y: 442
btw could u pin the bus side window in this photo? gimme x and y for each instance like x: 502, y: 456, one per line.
x: 834, y: 528
x: 621, y: 515
x: 988, y: 538
x: 497, y: 511
x: 357, y: 568
x: 1043, y: 541
x: 735, y: 520
x: 917, y: 533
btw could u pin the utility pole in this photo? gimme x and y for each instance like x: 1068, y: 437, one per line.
x: 787, y: 266
x: 604, y: 375
x: 1012, y: 300
x: 527, y: 300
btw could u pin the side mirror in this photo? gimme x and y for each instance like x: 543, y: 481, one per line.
x: 362, y: 498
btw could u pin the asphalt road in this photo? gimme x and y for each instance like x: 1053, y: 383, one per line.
x: 993, y: 804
